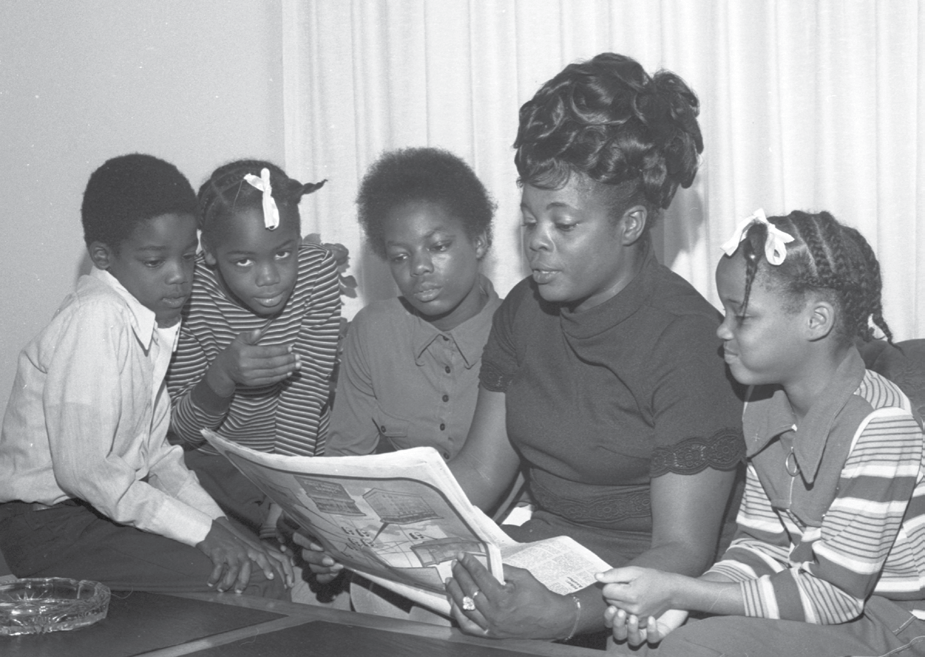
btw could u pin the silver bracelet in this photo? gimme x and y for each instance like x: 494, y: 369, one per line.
x: 577, y: 618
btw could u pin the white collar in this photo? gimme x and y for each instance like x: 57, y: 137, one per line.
x: 144, y: 320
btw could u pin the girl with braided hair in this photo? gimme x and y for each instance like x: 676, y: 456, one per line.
x: 260, y: 333
x: 827, y: 558
x: 602, y: 376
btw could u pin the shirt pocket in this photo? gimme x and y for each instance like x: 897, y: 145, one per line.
x: 393, y: 433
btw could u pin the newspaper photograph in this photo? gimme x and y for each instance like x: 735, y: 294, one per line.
x: 399, y: 517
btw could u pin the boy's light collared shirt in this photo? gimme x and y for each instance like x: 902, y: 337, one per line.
x: 89, y: 413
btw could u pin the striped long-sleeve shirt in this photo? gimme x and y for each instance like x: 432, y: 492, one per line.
x: 834, y: 510
x: 290, y: 417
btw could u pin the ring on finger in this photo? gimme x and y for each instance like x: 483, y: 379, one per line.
x: 468, y: 604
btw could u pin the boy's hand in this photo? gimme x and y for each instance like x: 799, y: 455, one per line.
x: 320, y: 562
x: 246, y: 363
x: 268, y: 557
x: 232, y: 551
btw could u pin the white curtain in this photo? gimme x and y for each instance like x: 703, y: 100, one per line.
x: 813, y: 105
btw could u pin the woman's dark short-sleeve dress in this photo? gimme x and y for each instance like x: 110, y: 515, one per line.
x: 600, y: 402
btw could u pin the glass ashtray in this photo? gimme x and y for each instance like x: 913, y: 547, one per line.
x: 39, y: 605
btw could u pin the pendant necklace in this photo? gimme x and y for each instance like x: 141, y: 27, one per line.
x: 790, y: 463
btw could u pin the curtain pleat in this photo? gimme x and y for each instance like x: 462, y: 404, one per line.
x: 806, y: 105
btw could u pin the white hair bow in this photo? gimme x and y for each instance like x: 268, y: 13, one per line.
x: 775, y: 249
x: 270, y: 211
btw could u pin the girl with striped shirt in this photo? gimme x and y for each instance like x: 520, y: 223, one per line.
x: 829, y: 556
x: 260, y: 333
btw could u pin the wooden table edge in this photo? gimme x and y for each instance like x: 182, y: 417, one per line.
x: 297, y: 614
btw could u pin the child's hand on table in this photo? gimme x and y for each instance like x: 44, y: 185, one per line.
x: 232, y: 551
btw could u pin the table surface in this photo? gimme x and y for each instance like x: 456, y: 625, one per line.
x: 208, y: 624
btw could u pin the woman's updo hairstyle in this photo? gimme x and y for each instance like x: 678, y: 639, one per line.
x: 226, y: 193
x: 825, y: 257
x: 611, y: 121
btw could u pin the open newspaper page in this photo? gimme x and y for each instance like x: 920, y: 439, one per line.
x: 398, y: 518
x: 401, y: 518
x: 561, y: 563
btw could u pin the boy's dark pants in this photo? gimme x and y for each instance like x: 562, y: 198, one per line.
x: 71, y: 539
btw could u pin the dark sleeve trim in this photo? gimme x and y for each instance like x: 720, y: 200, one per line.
x: 724, y: 450
x: 492, y: 378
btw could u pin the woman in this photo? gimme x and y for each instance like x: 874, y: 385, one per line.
x: 602, y: 375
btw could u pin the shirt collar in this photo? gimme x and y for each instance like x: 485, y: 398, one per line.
x: 144, y: 322
x: 624, y: 304
x: 169, y: 335
x: 768, y: 414
x: 469, y: 337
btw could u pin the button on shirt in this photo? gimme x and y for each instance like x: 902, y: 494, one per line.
x: 89, y: 413
x: 404, y: 383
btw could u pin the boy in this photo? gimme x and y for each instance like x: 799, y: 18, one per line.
x: 89, y: 487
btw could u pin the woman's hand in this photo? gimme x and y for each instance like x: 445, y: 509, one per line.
x: 628, y: 628
x: 520, y: 608
x: 319, y: 562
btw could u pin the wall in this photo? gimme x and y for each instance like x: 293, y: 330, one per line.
x: 196, y: 83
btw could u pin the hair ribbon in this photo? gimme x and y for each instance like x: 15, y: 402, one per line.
x: 775, y: 249
x: 270, y: 211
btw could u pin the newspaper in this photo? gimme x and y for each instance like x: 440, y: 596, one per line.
x: 401, y: 518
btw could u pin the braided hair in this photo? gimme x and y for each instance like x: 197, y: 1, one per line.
x: 226, y: 193
x: 609, y: 120
x: 826, y: 257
